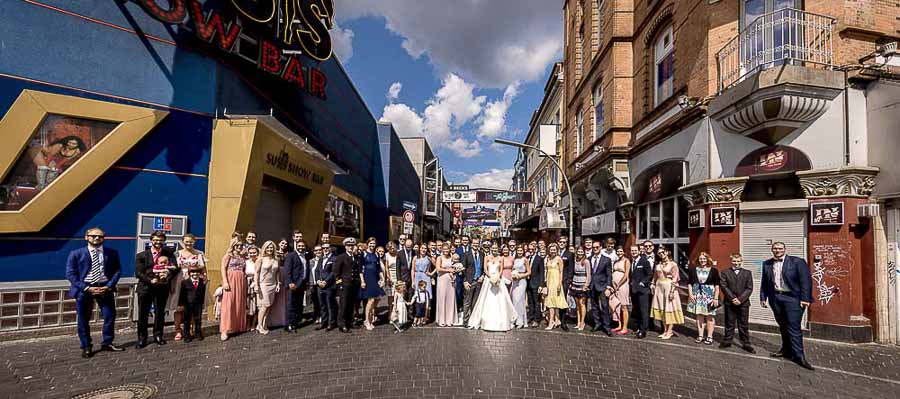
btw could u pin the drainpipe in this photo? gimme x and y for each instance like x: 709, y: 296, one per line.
x: 846, y: 119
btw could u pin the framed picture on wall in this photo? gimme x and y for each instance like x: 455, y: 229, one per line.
x: 722, y: 217
x: 696, y: 219
x: 826, y: 213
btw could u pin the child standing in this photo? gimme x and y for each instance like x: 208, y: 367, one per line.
x: 192, y: 298
x: 421, y: 299
x: 399, y: 316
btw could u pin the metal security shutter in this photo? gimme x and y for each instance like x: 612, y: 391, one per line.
x: 758, y: 232
x: 273, y: 215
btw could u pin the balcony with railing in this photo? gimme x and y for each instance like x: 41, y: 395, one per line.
x: 777, y: 74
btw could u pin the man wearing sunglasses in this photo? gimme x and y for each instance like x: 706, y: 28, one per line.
x: 93, y: 272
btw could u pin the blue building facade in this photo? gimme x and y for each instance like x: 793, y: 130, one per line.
x: 119, y: 53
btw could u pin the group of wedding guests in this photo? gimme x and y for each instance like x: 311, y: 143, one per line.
x: 485, y: 285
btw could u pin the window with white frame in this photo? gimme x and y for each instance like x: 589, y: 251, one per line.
x: 579, y: 131
x: 598, y: 111
x: 665, y: 223
x: 664, y: 66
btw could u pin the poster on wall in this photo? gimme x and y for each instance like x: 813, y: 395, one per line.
x: 722, y: 217
x: 826, y: 213
x: 696, y: 219
x: 58, y: 143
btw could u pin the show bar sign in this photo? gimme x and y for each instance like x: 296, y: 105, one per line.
x: 274, y: 31
x: 504, y: 197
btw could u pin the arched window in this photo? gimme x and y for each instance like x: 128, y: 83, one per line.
x: 579, y: 132
x: 663, y: 65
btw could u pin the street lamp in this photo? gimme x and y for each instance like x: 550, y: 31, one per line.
x: 561, y: 171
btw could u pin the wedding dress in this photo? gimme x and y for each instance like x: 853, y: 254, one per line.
x: 494, y: 310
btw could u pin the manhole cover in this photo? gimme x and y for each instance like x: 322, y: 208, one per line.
x: 127, y: 391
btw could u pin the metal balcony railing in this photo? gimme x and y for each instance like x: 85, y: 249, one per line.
x: 785, y: 36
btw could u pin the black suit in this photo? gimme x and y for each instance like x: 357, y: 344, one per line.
x: 404, y: 262
x: 474, y: 260
x: 535, y: 282
x: 192, y: 299
x: 347, y: 268
x: 601, y: 278
x: 295, y: 272
x: 324, y: 301
x: 737, y: 284
x: 641, y: 276
x: 149, y: 293
x: 568, y: 273
x: 467, y: 258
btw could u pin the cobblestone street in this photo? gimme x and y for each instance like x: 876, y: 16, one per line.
x: 432, y: 363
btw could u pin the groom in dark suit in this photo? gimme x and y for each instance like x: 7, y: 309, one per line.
x: 294, y: 273
x: 639, y: 283
x: 601, y: 278
x: 535, y: 282
x: 93, y: 273
x: 474, y: 258
x: 787, y: 286
x: 155, y: 269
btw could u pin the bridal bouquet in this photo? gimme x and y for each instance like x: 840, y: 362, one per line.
x: 495, y: 279
x: 516, y: 275
x: 458, y: 268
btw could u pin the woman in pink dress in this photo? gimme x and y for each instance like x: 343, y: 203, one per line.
x: 446, y: 294
x: 620, y: 298
x: 234, y: 287
x: 507, y: 266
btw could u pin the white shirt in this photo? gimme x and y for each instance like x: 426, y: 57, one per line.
x: 610, y: 254
x: 317, y: 263
x: 778, y: 271
x: 99, y: 252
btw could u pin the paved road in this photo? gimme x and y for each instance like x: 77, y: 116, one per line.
x: 444, y: 363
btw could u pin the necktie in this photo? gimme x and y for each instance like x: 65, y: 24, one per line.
x: 195, y: 284
x: 595, y: 264
x: 96, y: 268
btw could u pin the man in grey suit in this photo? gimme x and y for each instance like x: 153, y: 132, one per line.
x: 737, y: 285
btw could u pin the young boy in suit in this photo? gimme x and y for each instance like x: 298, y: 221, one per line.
x: 193, y: 297
x: 737, y: 285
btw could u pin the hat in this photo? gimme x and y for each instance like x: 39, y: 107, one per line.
x: 349, y: 241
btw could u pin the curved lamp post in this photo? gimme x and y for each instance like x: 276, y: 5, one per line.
x: 571, y: 220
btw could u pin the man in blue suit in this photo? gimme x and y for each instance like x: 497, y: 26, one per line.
x: 601, y: 277
x: 93, y: 272
x: 294, y: 273
x: 787, y: 286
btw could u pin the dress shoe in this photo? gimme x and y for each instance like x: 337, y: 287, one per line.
x: 320, y: 327
x: 641, y: 335
x: 748, y: 349
x: 199, y: 337
x: 159, y: 340
x: 803, y: 363
x: 776, y: 354
x: 330, y: 328
x: 111, y: 348
x: 345, y: 330
x: 141, y: 343
x: 725, y: 345
x: 606, y: 331
x: 186, y: 339
x: 87, y: 352
x: 564, y: 326
x: 290, y: 329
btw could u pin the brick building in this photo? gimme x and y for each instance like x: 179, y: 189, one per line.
x: 722, y: 126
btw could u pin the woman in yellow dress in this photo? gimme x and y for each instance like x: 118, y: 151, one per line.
x: 555, y: 299
x: 666, y: 302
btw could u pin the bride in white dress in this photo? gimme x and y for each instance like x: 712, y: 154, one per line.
x: 494, y: 310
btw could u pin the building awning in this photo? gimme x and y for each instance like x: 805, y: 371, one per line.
x: 286, y: 133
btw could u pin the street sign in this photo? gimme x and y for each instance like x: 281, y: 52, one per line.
x: 409, y: 216
x: 411, y: 206
x: 504, y: 197
x: 459, y: 187
x: 459, y: 196
x: 407, y: 228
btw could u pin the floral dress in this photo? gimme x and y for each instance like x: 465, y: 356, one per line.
x: 703, y: 281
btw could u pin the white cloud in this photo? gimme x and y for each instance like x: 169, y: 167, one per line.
x: 464, y: 148
x: 407, y: 123
x: 394, y: 91
x: 499, y: 179
x: 493, y: 123
x: 483, y: 41
x: 342, y: 43
x: 452, y: 106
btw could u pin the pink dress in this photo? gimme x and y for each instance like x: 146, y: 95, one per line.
x: 234, y: 301
x: 446, y: 295
x: 507, y: 267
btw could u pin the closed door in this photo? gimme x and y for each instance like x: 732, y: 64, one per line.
x: 758, y: 232
x: 273, y: 215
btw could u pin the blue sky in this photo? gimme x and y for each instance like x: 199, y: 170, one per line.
x: 460, y: 73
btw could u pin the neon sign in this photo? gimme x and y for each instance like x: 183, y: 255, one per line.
x: 280, y: 29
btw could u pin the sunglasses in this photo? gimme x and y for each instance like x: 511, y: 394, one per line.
x: 95, y: 235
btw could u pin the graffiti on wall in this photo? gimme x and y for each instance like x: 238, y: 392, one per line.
x: 892, y: 272
x: 831, y: 263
